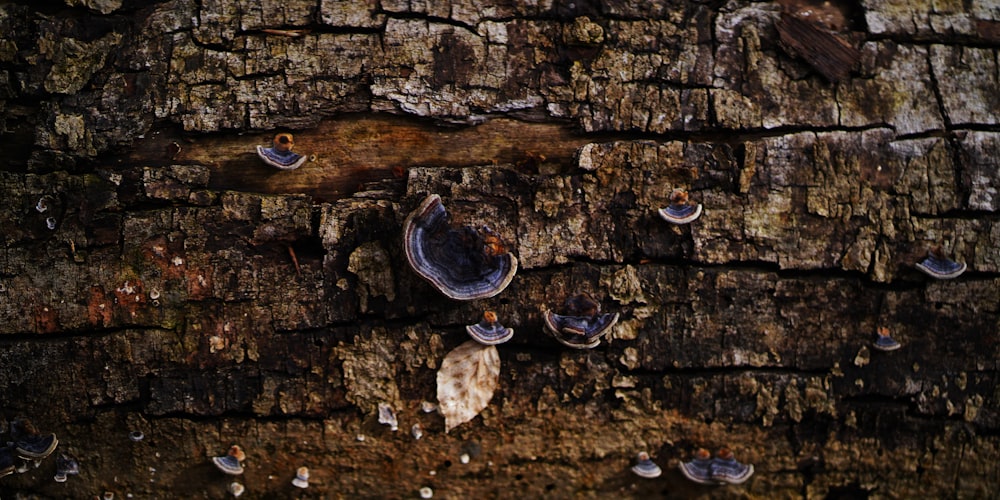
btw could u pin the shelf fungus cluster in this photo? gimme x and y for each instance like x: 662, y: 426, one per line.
x: 280, y: 155
x: 489, y: 331
x: 722, y: 469
x: 462, y: 263
x: 465, y: 382
x: 680, y: 210
x: 582, y: 325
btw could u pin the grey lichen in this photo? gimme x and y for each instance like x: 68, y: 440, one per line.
x: 369, y: 367
x: 373, y: 267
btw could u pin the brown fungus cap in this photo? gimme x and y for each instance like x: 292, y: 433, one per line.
x: 284, y: 142
x: 678, y: 197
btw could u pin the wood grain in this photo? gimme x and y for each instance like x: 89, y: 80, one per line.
x: 824, y: 50
x: 354, y: 151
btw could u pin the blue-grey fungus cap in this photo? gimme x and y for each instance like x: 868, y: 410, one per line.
x: 280, y: 155
x: 461, y: 263
x: 489, y: 331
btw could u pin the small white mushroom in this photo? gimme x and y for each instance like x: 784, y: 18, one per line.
x: 387, y: 417
x: 301, y: 479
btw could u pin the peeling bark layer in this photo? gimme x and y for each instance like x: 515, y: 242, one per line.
x: 154, y: 276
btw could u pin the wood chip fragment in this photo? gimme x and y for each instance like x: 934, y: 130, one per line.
x: 288, y: 33
x: 827, y: 52
x: 295, y: 260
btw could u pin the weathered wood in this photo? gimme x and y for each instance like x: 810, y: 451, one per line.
x: 827, y: 52
x: 356, y: 150
x: 155, y: 276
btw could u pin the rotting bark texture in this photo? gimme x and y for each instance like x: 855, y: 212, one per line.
x: 175, y: 286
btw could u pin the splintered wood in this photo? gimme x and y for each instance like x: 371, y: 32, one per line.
x: 825, y: 51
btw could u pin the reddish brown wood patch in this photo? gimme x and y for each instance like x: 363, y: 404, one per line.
x: 354, y: 151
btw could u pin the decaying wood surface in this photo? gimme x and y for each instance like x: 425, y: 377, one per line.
x: 829, y: 53
x: 357, y: 151
x: 156, y: 277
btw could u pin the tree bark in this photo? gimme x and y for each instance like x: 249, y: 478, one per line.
x: 155, y: 276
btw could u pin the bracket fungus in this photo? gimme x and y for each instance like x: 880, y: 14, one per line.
x: 66, y: 466
x: 301, y: 479
x: 938, y: 265
x: 644, y: 467
x: 231, y: 462
x: 699, y: 469
x: 280, y: 155
x: 723, y: 469
x: 29, y: 444
x: 884, y: 341
x: 462, y: 263
x: 726, y: 469
x: 43, y: 204
x: 680, y: 210
x: 489, y: 331
x: 583, y: 325
x: 465, y: 383
x: 6, y: 461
